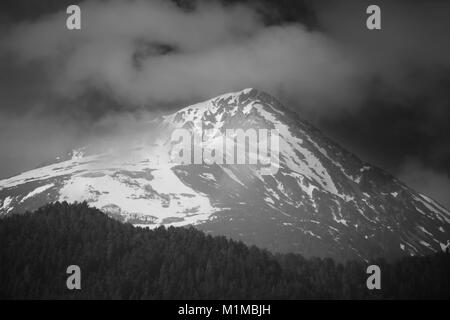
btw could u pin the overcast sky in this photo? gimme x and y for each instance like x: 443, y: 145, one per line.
x: 382, y: 94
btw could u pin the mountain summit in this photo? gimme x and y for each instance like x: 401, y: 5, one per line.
x: 322, y: 200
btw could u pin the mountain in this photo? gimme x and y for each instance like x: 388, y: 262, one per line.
x: 321, y: 201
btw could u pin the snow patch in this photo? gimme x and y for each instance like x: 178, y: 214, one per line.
x: 425, y: 231
x: 426, y: 244
x: 37, y: 191
x: 445, y: 246
x: 6, y: 204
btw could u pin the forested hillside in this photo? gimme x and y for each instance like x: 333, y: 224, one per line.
x: 119, y: 261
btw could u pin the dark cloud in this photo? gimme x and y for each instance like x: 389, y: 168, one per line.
x: 406, y: 111
x: 164, y: 54
x: 426, y: 181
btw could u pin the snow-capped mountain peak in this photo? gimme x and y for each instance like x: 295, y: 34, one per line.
x: 321, y: 201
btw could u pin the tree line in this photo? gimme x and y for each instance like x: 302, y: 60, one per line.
x: 119, y: 261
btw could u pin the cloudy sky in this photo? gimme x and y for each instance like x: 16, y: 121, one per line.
x: 382, y: 94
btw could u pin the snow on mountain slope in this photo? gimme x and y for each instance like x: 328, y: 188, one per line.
x: 322, y: 201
